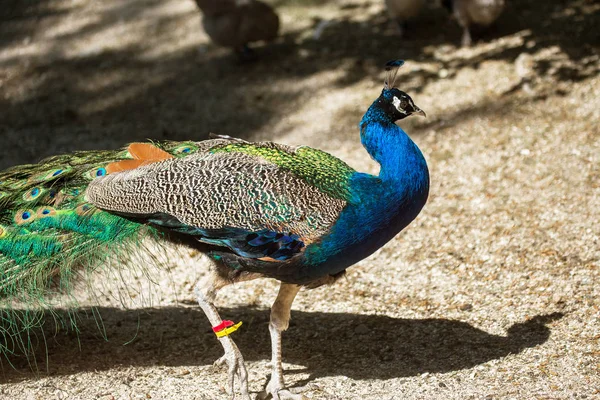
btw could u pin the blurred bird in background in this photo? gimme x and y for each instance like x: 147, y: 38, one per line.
x: 474, y: 12
x: 236, y: 23
x: 403, y: 10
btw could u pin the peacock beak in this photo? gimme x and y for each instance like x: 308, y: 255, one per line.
x: 420, y: 112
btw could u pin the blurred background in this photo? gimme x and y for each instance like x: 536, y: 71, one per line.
x: 510, y: 232
x: 81, y: 74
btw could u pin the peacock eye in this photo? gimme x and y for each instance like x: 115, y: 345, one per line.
x: 400, y: 104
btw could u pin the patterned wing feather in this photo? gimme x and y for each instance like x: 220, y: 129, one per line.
x: 235, y: 194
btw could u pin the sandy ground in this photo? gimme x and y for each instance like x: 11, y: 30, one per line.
x: 492, y: 293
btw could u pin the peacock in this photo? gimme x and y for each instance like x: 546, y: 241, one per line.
x: 235, y: 23
x: 403, y: 10
x: 474, y: 12
x: 256, y: 209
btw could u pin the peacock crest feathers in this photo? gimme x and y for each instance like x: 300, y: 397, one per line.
x: 392, y: 68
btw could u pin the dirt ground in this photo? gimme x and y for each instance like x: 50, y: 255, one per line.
x: 492, y: 293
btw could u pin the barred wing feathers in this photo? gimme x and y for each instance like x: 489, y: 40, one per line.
x: 258, y: 199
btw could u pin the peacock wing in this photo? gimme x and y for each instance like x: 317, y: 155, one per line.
x: 257, y: 199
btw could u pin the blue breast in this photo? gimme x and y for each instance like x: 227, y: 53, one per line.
x: 381, y: 207
x: 360, y: 231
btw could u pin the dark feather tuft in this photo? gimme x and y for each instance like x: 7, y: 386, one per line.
x: 392, y: 68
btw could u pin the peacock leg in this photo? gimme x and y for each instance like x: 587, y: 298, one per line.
x: 280, y: 319
x: 466, y: 37
x: 463, y: 21
x: 401, y: 25
x: 205, y: 294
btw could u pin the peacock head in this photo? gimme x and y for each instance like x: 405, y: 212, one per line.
x: 394, y: 102
x: 397, y: 104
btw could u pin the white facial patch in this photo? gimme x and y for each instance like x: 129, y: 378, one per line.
x: 396, y: 102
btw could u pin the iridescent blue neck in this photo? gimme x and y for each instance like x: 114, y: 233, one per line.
x: 399, y: 157
x: 382, y: 206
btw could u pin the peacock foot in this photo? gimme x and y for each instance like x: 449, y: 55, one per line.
x: 278, y: 391
x: 221, y: 361
x: 236, y: 368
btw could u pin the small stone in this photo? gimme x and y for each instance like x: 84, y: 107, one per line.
x: 466, y: 307
x: 525, y: 65
x: 303, y: 53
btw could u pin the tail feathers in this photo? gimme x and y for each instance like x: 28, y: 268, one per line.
x: 49, y: 233
x: 45, y: 222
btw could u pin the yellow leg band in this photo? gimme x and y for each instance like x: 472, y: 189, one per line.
x: 228, y: 331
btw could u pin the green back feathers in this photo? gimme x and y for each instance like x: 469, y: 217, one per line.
x: 321, y: 170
